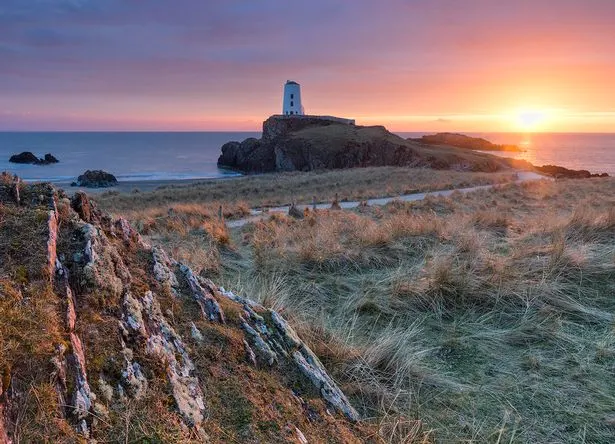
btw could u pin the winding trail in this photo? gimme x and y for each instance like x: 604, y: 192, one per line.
x: 256, y: 215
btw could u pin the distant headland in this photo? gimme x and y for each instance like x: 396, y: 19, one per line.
x: 466, y: 142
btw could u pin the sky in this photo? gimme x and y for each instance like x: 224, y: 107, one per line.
x: 411, y: 65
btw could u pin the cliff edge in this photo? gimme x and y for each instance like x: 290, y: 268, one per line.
x: 106, y: 338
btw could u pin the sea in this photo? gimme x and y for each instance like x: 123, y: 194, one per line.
x: 144, y: 156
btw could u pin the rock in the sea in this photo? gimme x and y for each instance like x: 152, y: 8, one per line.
x: 50, y: 158
x: 306, y: 143
x: 25, y: 157
x: 29, y: 158
x: 96, y: 179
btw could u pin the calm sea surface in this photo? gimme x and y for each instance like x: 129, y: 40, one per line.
x: 164, y: 156
x: 129, y: 156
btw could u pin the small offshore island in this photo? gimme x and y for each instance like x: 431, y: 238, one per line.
x: 311, y: 143
x: 307, y: 143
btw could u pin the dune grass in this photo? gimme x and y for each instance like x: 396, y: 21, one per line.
x: 268, y: 190
x: 487, y: 316
x: 481, y: 317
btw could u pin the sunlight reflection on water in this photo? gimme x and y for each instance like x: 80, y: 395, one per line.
x: 589, y: 151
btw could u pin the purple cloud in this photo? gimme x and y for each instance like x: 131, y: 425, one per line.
x: 84, y: 54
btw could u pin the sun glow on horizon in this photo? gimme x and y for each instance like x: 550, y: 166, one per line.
x: 531, y: 120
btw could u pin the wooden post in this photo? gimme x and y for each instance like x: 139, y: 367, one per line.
x: 336, y: 204
x: 16, y: 191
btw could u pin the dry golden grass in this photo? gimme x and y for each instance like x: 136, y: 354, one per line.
x: 282, y: 188
x: 191, y: 233
x: 488, y: 316
x: 473, y: 318
x: 30, y: 332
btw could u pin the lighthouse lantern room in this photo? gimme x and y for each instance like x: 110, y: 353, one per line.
x: 292, y: 99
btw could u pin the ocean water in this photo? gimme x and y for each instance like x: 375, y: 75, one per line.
x: 137, y: 156
x: 130, y: 156
x: 579, y: 151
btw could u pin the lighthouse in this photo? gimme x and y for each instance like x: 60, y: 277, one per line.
x: 292, y: 99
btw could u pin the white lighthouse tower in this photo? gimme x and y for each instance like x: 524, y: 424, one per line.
x: 292, y: 99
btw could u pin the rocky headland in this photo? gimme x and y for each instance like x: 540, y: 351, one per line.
x: 307, y: 143
x: 465, y: 142
x: 310, y: 143
x: 29, y: 158
x: 106, y: 338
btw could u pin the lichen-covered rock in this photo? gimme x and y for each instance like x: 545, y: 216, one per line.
x: 130, y: 336
x: 82, y: 395
x: 133, y: 310
x: 196, y: 333
x: 207, y: 302
x: 164, y: 342
x: 262, y: 347
x: 135, y: 380
x: 161, y: 269
x: 52, y: 227
x: 315, y: 371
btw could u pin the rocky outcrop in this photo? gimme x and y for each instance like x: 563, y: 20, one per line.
x: 29, y: 158
x: 466, y: 142
x: 132, y: 345
x: 26, y: 157
x: 559, y: 172
x: 95, y: 179
x: 305, y: 144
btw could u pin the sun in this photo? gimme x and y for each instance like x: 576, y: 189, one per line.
x: 530, y: 120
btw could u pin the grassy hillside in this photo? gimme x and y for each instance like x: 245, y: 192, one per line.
x: 106, y: 339
x: 487, y: 317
